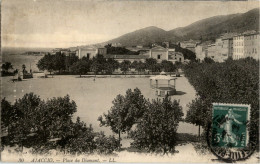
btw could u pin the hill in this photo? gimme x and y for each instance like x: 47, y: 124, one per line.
x: 206, y: 29
x: 143, y: 36
x: 211, y: 28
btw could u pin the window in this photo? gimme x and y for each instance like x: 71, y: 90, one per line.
x: 158, y: 56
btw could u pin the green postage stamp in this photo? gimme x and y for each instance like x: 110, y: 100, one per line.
x: 229, y: 127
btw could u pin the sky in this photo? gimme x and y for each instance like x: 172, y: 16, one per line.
x: 66, y: 23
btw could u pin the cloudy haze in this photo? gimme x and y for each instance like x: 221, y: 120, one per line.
x: 64, y: 23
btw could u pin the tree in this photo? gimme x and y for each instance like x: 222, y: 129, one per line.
x: 34, y: 121
x: 134, y: 64
x: 140, y: 66
x: 156, y: 131
x: 119, y: 50
x: 24, y: 122
x: 167, y: 66
x: 98, y: 64
x: 7, y: 114
x: 151, y: 64
x: 59, y: 62
x: 111, y: 65
x: 125, y: 65
x: 70, y: 60
x: 47, y: 63
x: 188, y: 54
x: 197, y: 113
x: 233, y: 81
x: 44, y: 125
x: 125, y: 112
x: 81, y: 67
x: 106, y: 145
x: 81, y: 139
x: 208, y: 60
x: 6, y: 66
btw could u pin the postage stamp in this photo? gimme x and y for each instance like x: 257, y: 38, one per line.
x: 229, y: 125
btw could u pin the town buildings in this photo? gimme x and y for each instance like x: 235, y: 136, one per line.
x: 231, y: 45
x: 246, y: 45
x: 159, y: 53
x: 65, y: 51
x: 201, y: 51
x: 174, y: 56
x: 252, y: 45
x: 238, y: 47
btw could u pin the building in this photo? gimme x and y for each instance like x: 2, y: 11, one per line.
x: 211, y: 51
x: 65, y: 51
x: 227, y: 40
x: 252, y: 44
x: 246, y: 45
x: 190, y: 44
x: 102, y: 50
x: 201, y: 52
x: 159, y: 53
x: 175, y: 56
x: 238, y: 47
x: 116, y: 44
x: 90, y: 51
x: 220, y: 51
x: 221, y: 48
x: 131, y: 58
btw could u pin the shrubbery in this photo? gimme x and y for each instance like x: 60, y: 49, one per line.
x: 156, y: 130
x: 228, y: 82
x: 125, y: 112
x: 44, y: 125
x: 155, y: 123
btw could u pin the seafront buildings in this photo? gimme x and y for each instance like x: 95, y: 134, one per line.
x: 230, y: 45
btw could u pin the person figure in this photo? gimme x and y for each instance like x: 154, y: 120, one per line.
x: 229, y: 119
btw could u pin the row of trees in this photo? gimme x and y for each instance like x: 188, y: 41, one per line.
x: 155, y: 122
x: 99, y: 64
x: 234, y: 81
x: 44, y: 125
x: 58, y: 62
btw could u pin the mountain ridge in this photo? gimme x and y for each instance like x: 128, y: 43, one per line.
x: 205, y: 29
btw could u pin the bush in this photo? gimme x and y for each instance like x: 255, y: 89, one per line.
x: 125, y: 112
x: 44, y: 125
x: 156, y: 131
x: 106, y: 145
x: 234, y: 81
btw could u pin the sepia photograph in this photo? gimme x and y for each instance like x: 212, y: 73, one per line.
x: 99, y: 81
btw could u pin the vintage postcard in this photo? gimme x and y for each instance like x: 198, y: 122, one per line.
x: 86, y: 81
